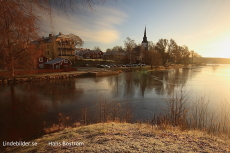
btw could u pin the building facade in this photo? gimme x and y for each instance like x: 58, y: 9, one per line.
x: 58, y: 63
x: 41, y: 61
x: 89, y: 54
x: 56, y: 46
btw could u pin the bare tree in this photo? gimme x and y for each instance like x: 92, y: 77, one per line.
x: 172, y: 49
x: 162, y: 48
x: 118, y: 49
x: 97, y: 48
x: 129, y: 45
x: 19, y: 20
x: 18, y: 28
x: 182, y: 54
x: 151, y: 56
x: 77, y: 41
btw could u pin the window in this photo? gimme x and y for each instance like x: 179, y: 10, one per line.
x: 48, y: 52
x: 41, y: 66
x: 40, y: 59
x: 47, y: 46
x: 65, y: 61
x: 57, y: 66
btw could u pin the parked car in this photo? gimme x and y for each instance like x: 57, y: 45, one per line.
x: 107, y: 66
x: 111, y: 65
x: 100, y: 66
x: 134, y: 65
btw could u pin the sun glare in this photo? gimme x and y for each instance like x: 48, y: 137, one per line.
x: 218, y: 48
x: 224, y: 48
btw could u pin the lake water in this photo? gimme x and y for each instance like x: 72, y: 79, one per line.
x: 27, y: 107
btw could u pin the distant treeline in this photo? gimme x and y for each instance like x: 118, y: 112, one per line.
x: 210, y: 60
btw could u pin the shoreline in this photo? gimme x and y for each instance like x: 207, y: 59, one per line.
x: 53, y: 76
x: 81, y: 72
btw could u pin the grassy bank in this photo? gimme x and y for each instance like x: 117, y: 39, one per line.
x: 126, y: 137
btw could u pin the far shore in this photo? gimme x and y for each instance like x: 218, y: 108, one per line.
x: 81, y: 72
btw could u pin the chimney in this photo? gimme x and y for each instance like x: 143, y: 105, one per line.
x: 59, y: 33
x: 50, y: 35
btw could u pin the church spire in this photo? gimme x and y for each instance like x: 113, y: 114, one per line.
x: 145, y: 38
x: 145, y: 41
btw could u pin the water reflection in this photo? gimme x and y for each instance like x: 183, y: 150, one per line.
x: 132, y: 84
x: 214, y: 68
x: 24, y: 107
x: 21, y: 114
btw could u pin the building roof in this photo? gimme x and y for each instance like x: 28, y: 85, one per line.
x: 56, y: 60
x: 51, y: 38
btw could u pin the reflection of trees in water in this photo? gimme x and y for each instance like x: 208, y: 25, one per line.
x: 64, y: 91
x: 136, y: 83
x: 57, y: 91
x: 23, y: 107
x: 214, y: 68
x: 122, y: 85
x: 21, y: 114
x: 164, y: 82
x: 98, y: 79
x: 128, y: 86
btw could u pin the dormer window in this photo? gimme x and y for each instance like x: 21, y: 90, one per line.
x: 65, y: 61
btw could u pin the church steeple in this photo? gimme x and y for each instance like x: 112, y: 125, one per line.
x: 145, y: 41
x: 145, y: 38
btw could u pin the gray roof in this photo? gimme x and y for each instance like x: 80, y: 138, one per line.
x: 56, y: 60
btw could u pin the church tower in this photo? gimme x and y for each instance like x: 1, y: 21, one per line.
x: 145, y: 42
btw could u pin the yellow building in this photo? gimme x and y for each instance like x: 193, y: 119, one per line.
x: 59, y: 46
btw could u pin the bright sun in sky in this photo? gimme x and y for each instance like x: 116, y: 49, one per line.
x: 225, y: 50
x: 219, y: 47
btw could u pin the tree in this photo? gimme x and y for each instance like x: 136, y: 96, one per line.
x: 18, y: 28
x: 185, y: 54
x: 182, y: 54
x: 118, y: 49
x: 172, y: 49
x: 108, y: 50
x: 97, y: 48
x: 77, y: 41
x: 19, y: 20
x: 162, y: 48
x: 129, y: 45
x: 152, y: 57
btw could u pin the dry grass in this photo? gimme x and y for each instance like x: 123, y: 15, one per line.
x: 127, y: 137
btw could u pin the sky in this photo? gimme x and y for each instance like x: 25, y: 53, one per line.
x: 202, y: 25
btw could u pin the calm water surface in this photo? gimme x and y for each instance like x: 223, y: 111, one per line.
x: 26, y: 108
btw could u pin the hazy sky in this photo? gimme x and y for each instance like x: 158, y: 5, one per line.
x: 202, y: 25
